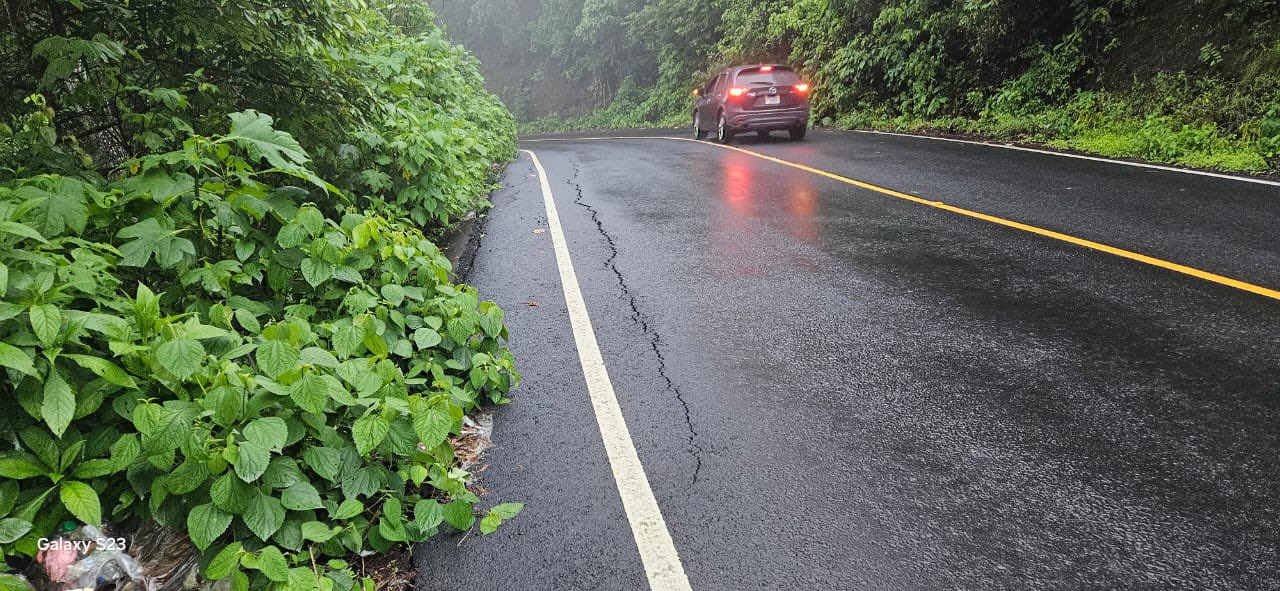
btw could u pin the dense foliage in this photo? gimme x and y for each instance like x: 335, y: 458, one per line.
x: 218, y: 307
x: 1189, y: 81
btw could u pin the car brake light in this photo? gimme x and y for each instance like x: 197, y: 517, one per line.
x: 766, y: 68
x: 737, y: 91
x: 802, y: 87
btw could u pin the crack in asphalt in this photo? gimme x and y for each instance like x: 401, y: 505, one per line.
x: 655, y: 340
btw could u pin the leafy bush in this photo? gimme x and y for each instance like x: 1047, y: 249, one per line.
x: 292, y: 386
x: 388, y: 108
x: 1269, y: 135
x: 230, y: 322
x: 436, y: 131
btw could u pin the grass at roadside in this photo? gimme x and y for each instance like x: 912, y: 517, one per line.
x: 1085, y: 127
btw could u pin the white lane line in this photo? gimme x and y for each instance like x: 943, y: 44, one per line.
x: 1217, y: 175
x: 661, y: 562
x: 1076, y: 156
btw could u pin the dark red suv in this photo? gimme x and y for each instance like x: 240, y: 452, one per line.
x: 759, y: 98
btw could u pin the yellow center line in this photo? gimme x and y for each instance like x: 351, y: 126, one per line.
x: 1120, y: 252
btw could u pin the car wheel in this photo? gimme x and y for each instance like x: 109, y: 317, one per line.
x: 797, y: 133
x: 698, y: 132
x: 723, y: 135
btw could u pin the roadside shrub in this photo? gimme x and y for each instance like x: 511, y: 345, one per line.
x: 210, y: 342
x: 241, y: 331
x: 432, y: 135
x: 1269, y: 136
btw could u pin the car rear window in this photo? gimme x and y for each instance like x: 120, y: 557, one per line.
x: 779, y: 76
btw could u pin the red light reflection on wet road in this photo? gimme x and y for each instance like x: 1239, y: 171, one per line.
x: 758, y: 209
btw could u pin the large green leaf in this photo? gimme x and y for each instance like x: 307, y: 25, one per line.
x: 105, y: 369
x: 324, y: 461
x: 348, y: 509
x: 311, y: 393
x: 20, y: 465
x: 431, y: 425
x: 205, y: 523
x: 12, y: 528
x: 253, y: 131
x: 263, y: 516
x: 81, y: 500
x: 311, y: 219
x: 507, y: 510
x: 251, y: 461
x: 394, y: 294
x: 318, y: 531
x: 490, y: 523
x: 124, y: 451
x: 11, y: 582
x: 13, y: 358
x: 268, y: 432
x: 180, y: 357
x: 369, y: 431
x: 272, y: 564
x: 458, y: 514
x: 21, y: 230
x: 348, y: 340
x: 318, y: 357
x: 46, y: 322
x: 283, y: 473
x: 316, y: 271
x: 277, y: 357
x: 230, y: 493
x: 41, y: 444
x: 426, y: 338
x: 54, y: 212
x: 301, y: 497
x: 8, y: 496
x: 224, y: 562
x: 59, y: 404
x: 155, y: 236
x: 159, y: 184
x: 187, y: 477
x: 428, y: 513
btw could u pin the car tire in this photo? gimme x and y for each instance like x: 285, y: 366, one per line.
x: 698, y: 132
x: 797, y: 133
x: 723, y: 134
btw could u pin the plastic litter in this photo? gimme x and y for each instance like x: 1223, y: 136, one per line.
x: 150, y: 559
x: 474, y: 440
x: 57, y: 558
x: 481, y: 424
x: 85, y: 559
x: 102, y: 569
x: 168, y: 559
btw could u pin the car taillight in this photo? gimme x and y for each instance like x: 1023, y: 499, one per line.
x: 766, y: 68
x: 802, y: 87
x: 737, y: 91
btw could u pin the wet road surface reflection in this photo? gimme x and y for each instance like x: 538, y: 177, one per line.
x: 762, y: 217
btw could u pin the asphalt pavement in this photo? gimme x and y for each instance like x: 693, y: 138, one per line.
x: 833, y: 388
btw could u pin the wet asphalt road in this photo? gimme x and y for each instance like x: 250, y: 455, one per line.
x: 830, y: 388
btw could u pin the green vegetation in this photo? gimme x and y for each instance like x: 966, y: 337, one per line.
x: 218, y: 307
x: 1183, y: 81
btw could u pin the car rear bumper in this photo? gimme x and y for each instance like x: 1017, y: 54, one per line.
x: 768, y: 120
